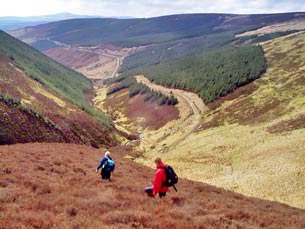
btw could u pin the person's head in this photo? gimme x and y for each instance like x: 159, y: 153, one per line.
x: 157, y: 161
x: 107, y: 153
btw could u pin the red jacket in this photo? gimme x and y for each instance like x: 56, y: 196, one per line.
x: 160, y: 178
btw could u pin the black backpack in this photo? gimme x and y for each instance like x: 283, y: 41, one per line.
x: 171, y: 177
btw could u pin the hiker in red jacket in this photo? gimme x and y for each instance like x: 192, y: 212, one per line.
x: 160, y: 178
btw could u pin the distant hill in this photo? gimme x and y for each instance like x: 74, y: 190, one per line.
x: 41, y: 100
x: 11, y: 23
x: 136, y: 32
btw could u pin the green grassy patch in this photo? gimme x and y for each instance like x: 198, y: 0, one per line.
x: 178, y: 48
x: 43, y: 45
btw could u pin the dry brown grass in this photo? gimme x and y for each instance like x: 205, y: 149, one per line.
x: 95, y: 62
x: 279, y: 27
x: 55, y: 186
x: 135, y: 114
x: 72, y: 57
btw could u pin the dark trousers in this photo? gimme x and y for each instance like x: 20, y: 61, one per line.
x: 105, y: 174
x: 149, y: 192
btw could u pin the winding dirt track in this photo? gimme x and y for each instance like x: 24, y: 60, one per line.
x: 117, y: 58
x: 118, y: 63
x: 192, y: 99
x: 191, y: 106
x: 95, y: 50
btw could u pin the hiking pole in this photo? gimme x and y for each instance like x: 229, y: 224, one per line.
x: 175, y: 188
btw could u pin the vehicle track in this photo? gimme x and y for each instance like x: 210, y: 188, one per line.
x: 117, y: 58
x: 94, y: 49
x: 194, y: 103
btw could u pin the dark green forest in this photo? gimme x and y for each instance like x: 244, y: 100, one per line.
x: 43, y: 45
x: 174, y: 49
x: 135, y: 88
x: 209, y: 74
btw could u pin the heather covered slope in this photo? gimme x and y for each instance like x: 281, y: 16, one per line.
x: 21, y: 124
x: 55, y: 185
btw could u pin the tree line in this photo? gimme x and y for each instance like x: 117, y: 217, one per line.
x: 210, y: 74
x: 135, y: 88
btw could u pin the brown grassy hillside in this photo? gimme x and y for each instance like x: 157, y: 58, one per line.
x: 55, y: 186
x: 132, y: 115
x: 23, y: 125
x: 69, y: 122
x: 72, y: 58
x: 146, y: 114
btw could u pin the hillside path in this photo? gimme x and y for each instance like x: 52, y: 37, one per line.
x: 117, y: 58
x: 99, y: 66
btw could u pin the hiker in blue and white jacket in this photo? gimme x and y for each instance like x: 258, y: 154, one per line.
x: 107, y: 165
